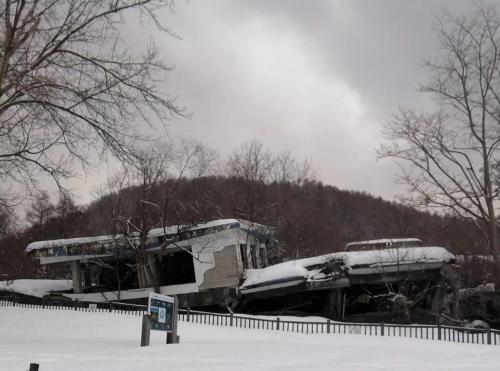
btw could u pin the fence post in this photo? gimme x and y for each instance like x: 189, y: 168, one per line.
x: 439, y: 330
x: 277, y: 323
x: 172, y: 337
x: 146, y: 329
x: 34, y: 366
x: 382, y: 329
x: 488, y: 337
x: 328, y: 326
x: 188, y: 314
x: 231, y: 319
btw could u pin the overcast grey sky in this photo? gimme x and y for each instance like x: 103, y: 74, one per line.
x: 314, y: 77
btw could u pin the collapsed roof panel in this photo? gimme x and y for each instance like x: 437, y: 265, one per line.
x: 337, y: 265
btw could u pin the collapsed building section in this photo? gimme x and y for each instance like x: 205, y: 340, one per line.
x: 370, y: 276
x: 225, y: 262
x: 202, y: 264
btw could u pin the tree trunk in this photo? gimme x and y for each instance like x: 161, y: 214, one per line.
x: 492, y: 222
x: 493, y: 238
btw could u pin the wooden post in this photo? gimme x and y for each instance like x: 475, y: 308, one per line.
x: 328, y: 326
x: 488, y: 336
x: 231, y: 319
x: 382, y: 329
x: 187, y: 316
x: 146, y: 329
x: 439, y: 329
x: 34, y: 366
x: 277, y: 323
x: 172, y: 337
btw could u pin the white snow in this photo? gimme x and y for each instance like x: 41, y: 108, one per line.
x: 37, y: 245
x: 61, y: 340
x: 38, y: 288
x: 175, y: 229
x: 276, y: 272
x: 383, y: 241
x: 402, y: 255
x: 350, y: 259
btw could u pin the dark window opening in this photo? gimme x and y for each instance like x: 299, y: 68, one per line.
x: 262, y: 257
x: 244, y: 257
x: 111, y: 276
x: 253, y: 255
x: 176, y: 268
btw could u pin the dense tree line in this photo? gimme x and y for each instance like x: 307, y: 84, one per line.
x: 311, y: 218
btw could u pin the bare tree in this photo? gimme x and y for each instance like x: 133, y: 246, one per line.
x: 65, y: 205
x: 69, y: 85
x: 285, y: 168
x: 194, y: 159
x: 156, y: 173
x: 449, y: 157
x: 151, y: 166
x: 251, y: 162
x: 40, y: 210
x: 7, y: 221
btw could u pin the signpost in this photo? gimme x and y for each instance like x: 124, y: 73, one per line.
x: 162, y: 316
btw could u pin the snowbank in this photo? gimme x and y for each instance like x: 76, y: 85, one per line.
x: 62, y: 340
x: 38, y: 288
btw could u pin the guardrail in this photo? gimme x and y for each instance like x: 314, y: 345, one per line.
x: 427, y: 332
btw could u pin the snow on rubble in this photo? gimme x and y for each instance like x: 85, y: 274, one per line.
x: 308, y: 268
x: 38, y: 288
x: 403, y: 255
x: 61, y: 340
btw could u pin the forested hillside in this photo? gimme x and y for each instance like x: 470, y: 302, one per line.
x: 311, y: 218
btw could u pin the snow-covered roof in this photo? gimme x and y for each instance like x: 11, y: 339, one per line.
x: 349, y: 260
x: 212, y: 224
x: 402, y: 255
x: 155, y: 232
x: 37, y: 245
x: 275, y: 273
x: 383, y: 241
x: 172, y: 230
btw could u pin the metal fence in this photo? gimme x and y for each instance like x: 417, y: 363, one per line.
x: 429, y: 332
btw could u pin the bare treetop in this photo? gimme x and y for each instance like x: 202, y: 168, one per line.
x: 68, y: 85
x: 453, y: 152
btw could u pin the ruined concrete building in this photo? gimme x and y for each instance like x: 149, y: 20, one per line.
x: 202, y: 264
x: 225, y: 262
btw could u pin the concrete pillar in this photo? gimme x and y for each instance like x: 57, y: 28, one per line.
x: 76, y: 274
x: 330, y: 310
x: 341, y: 303
x: 334, y: 306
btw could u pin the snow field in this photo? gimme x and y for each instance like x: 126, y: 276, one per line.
x: 69, y: 340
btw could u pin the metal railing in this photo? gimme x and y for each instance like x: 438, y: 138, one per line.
x: 428, y: 332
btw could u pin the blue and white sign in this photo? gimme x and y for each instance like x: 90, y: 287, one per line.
x: 161, y: 309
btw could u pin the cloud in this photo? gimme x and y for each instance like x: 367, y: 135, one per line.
x: 316, y: 78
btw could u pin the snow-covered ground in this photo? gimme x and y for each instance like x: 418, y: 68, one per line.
x: 69, y: 340
x: 38, y: 288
